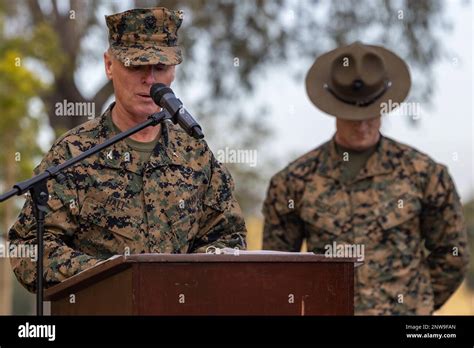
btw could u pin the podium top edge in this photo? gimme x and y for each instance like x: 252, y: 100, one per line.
x: 238, y: 257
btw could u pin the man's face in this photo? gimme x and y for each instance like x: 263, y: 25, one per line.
x: 358, y: 135
x: 132, y: 84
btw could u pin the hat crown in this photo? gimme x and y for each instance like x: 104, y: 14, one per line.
x: 158, y: 26
x: 354, y: 82
x: 358, y: 74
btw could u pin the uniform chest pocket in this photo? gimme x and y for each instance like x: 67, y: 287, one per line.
x: 323, y: 220
x: 402, y: 210
x: 96, y: 215
x: 399, y: 222
x: 183, y: 217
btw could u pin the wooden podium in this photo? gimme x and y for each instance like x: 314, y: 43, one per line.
x: 249, y: 283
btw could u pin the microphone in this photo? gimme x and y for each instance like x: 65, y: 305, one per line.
x: 163, y: 96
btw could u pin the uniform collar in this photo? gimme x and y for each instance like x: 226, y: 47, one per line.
x: 120, y: 155
x: 382, y: 161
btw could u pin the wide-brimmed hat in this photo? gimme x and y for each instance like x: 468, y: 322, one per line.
x: 145, y: 36
x: 355, y: 82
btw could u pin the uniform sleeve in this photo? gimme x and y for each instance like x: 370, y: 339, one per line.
x: 283, y: 229
x: 222, y: 223
x: 60, y: 260
x: 444, y: 231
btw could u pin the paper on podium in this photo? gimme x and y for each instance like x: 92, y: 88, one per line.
x: 230, y: 251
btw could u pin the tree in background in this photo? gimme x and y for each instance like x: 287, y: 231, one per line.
x: 19, y: 124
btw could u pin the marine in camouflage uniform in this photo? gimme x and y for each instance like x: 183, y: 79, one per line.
x: 400, y: 205
x: 175, y: 198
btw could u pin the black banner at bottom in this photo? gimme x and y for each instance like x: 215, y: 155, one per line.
x: 419, y: 330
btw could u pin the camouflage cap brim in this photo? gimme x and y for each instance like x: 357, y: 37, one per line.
x: 136, y: 54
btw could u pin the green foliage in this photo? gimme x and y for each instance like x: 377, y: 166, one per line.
x: 17, y: 86
x: 19, y: 118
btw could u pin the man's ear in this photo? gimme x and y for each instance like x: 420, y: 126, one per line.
x: 108, y: 65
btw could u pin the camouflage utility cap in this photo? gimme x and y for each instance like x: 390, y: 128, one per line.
x: 145, y: 36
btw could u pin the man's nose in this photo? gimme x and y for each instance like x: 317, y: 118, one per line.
x: 363, y: 125
x: 149, y: 77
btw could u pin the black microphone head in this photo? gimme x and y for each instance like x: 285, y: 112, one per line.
x: 158, y: 90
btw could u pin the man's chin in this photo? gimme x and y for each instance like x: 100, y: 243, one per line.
x: 363, y: 145
x: 145, y: 111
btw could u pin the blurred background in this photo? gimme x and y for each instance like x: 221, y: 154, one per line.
x: 243, y: 79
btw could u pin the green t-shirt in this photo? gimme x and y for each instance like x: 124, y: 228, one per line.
x: 144, y: 149
x: 353, y: 161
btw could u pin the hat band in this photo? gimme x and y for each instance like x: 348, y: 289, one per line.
x: 157, y: 39
x: 362, y: 102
